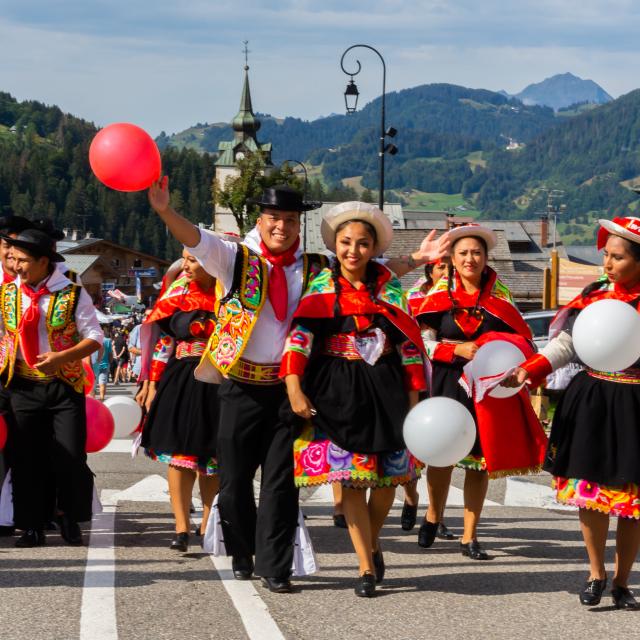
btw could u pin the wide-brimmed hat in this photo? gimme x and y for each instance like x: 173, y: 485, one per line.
x: 283, y: 198
x: 363, y: 211
x: 37, y: 241
x: 13, y: 224
x: 628, y: 228
x: 473, y: 230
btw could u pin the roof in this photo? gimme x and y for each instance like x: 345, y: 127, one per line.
x: 72, y: 246
x: 80, y: 263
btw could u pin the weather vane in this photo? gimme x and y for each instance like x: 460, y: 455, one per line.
x: 246, y: 53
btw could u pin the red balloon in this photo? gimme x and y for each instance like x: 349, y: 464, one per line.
x: 100, y: 425
x: 125, y: 157
x: 3, y: 432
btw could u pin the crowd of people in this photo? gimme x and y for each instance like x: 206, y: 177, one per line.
x: 258, y: 355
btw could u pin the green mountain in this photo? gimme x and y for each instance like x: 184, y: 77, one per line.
x: 44, y: 171
x: 562, y: 91
x: 594, y: 157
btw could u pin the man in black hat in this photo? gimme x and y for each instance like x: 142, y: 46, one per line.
x: 48, y: 325
x: 263, y: 279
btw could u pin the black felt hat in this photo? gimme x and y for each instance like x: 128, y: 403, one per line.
x: 283, y: 198
x: 36, y: 241
x: 13, y: 224
x: 46, y: 225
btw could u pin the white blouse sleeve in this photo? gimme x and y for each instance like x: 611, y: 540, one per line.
x: 217, y: 256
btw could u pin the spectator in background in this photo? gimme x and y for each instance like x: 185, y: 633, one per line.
x: 120, y: 356
x: 101, y: 363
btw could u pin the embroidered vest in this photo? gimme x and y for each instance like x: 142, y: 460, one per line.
x: 61, y: 327
x: 238, y: 311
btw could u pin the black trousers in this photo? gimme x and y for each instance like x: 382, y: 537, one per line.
x: 48, y: 441
x: 251, y: 435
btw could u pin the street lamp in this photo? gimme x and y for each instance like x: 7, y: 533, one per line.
x: 351, y: 102
x: 304, y: 197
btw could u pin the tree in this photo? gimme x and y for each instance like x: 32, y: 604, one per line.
x: 248, y: 184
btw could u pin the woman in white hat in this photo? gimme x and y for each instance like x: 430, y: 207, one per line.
x: 465, y: 309
x: 594, y: 447
x: 353, y: 367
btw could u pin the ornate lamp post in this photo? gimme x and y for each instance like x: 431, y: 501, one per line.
x: 351, y: 102
x: 304, y: 196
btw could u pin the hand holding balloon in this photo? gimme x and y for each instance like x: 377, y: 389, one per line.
x: 516, y: 379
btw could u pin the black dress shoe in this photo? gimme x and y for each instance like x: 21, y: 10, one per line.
x: 69, y: 530
x: 427, y: 534
x: 408, y: 516
x: 339, y: 521
x: 31, y: 538
x: 6, y: 531
x: 180, y: 542
x: 473, y: 550
x: 277, y: 585
x: 623, y: 598
x: 378, y: 565
x: 591, y: 595
x: 242, y: 568
x: 444, y: 533
x: 366, y: 587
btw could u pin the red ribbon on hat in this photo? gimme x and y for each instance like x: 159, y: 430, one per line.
x: 278, y: 288
x: 632, y: 225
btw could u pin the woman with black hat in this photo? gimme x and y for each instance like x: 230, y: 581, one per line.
x: 462, y: 311
x: 49, y: 325
x: 594, y: 446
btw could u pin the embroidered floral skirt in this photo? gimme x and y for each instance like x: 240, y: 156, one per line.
x: 317, y: 461
x: 203, y: 466
x: 622, y: 501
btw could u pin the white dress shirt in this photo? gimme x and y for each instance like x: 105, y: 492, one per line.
x: 85, y: 317
x: 218, y: 256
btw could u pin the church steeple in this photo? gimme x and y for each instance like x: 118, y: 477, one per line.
x: 245, y: 127
x: 245, y: 124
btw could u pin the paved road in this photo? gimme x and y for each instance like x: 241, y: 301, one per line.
x: 128, y: 585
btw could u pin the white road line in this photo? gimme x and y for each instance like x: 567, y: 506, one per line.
x: 98, y: 609
x: 118, y: 445
x: 252, y: 610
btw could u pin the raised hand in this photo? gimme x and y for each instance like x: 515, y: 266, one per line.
x: 159, y: 194
x: 432, y: 250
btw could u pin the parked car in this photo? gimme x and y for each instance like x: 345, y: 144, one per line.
x: 539, y: 322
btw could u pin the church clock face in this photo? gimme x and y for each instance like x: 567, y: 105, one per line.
x: 239, y: 155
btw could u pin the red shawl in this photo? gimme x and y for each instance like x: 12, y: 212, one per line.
x: 319, y: 301
x: 511, y: 436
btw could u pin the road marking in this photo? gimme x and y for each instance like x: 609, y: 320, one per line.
x: 520, y: 493
x: 252, y: 609
x: 98, y: 610
x: 118, y: 445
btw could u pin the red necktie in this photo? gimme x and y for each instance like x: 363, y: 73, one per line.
x: 278, y: 288
x: 28, y: 329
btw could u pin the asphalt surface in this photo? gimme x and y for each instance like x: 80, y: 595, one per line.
x: 527, y: 589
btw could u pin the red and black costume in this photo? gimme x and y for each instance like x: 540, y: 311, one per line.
x: 594, y: 446
x: 455, y: 316
x: 181, y: 427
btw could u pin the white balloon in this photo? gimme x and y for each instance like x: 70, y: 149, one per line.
x: 497, y: 357
x: 606, y: 335
x: 439, y: 431
x: 126, y: 414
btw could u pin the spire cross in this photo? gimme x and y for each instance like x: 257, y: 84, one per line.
x: 246, y: 54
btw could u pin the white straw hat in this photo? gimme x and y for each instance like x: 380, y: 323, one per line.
x: 354, y: 210
x: 474, y: 230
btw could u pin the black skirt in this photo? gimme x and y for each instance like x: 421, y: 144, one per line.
x: 595, y: 433
x: 445, y: 382
x: 360, y: 407
x: 183, y: 418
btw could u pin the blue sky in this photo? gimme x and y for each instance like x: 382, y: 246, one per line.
x: 166, y: 65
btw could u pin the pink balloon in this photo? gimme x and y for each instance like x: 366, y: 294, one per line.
x: 125, y: 157
x: 3, y: 432
x: 100, y: 425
